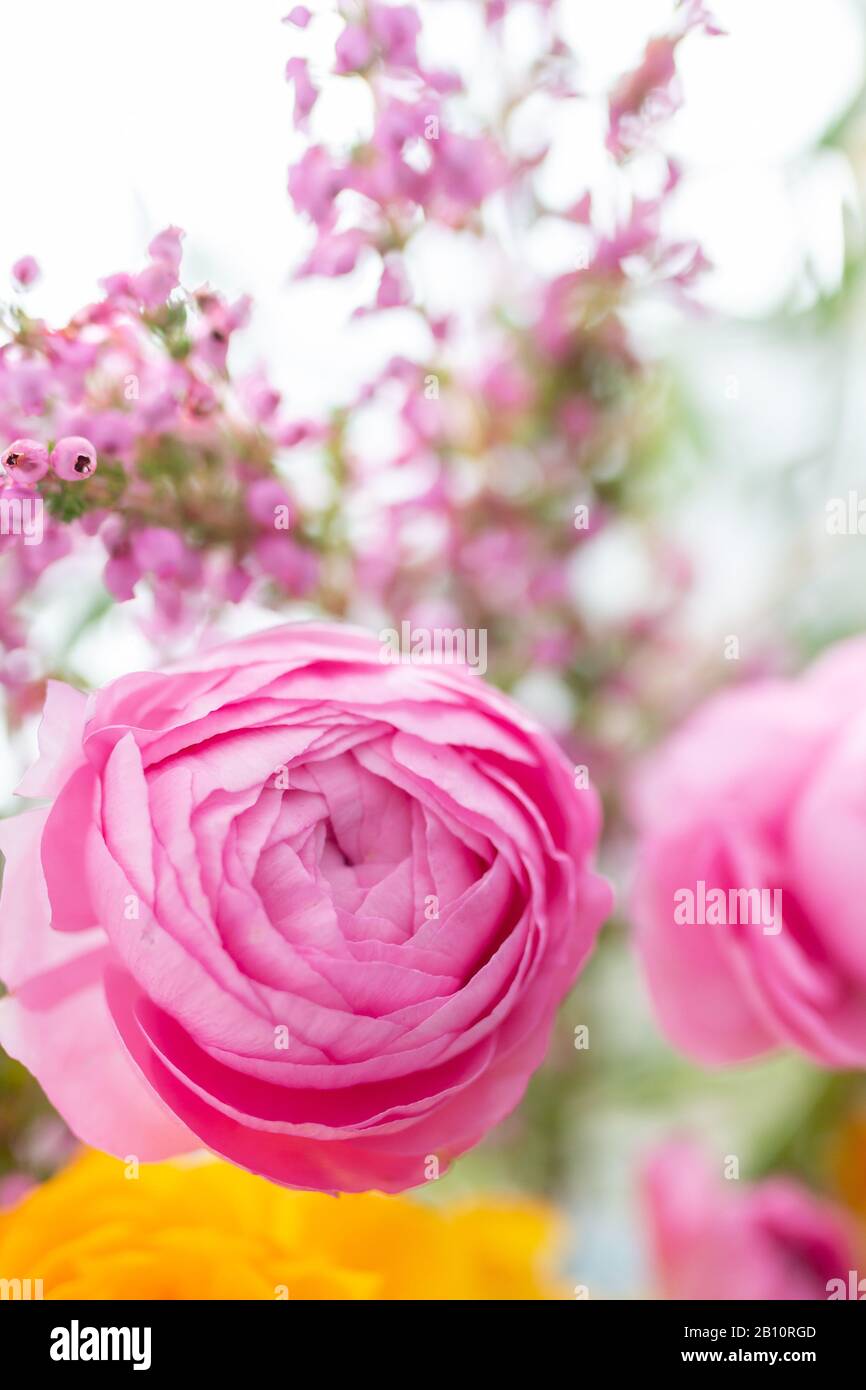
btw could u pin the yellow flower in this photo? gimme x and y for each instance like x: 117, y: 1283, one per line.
x: 205, y: 1230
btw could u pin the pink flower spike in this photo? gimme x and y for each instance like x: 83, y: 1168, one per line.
x: 300, y: 16
x: 73, y: 458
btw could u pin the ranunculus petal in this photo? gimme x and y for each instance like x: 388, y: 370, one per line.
x: 55, y: 1019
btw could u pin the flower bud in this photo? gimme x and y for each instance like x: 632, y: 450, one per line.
x: 73, y: 458
x: 26, y: 461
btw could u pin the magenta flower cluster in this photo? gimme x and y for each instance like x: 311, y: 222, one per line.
x: 186, y: 497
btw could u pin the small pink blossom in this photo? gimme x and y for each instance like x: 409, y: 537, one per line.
x: 160, y: 551
x: 167, y: 248
x: 335, y: 253
x: 260, y: 398
x: 121, y: 574
x: 507, y: 386
x: 396, y: 29
x: 74, y: 458
x: 354, y: 49
x: 153, y: 286
x: 393, y: 289
x: 293, y: 567
x: 265, y: 500
x: 300, y: 432
x: 306, y: 94
x: 25, y: 461
x: 314, y: 182
x: 26, y: 272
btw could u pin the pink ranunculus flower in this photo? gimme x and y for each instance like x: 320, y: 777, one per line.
x: 751, y: 872
x: 308, y: 909
x: 712, y: 1238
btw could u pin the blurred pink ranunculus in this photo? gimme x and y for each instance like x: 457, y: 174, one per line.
x: 712, y: 1238
x: 308, y: 909
x: 751, y: 873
